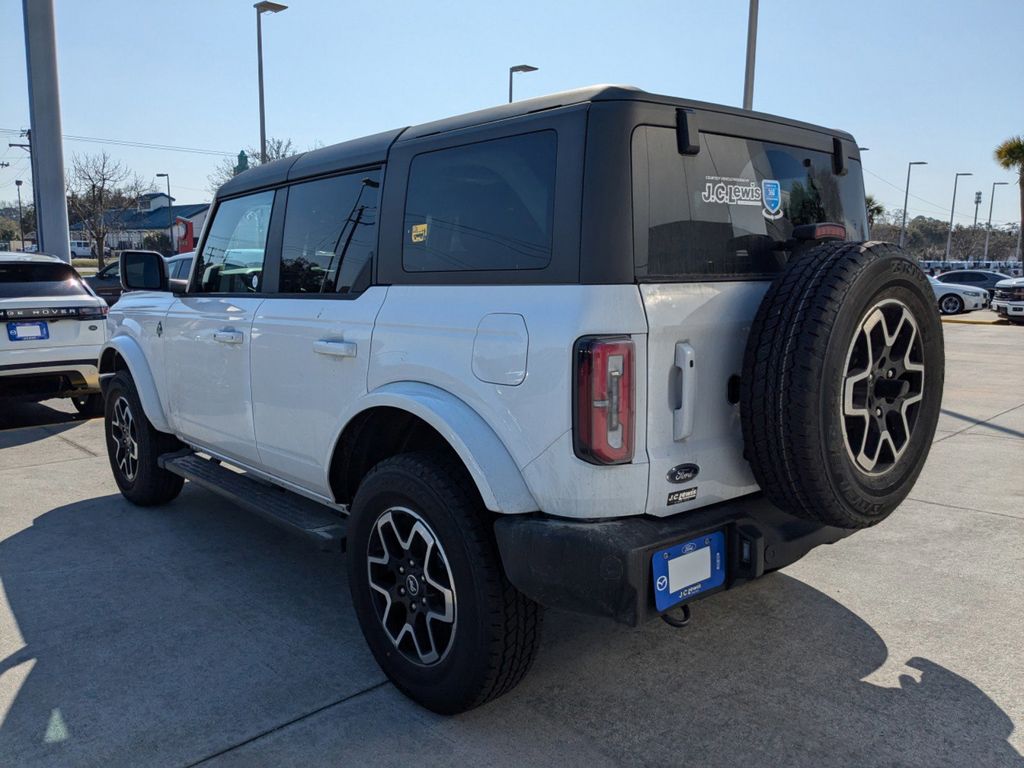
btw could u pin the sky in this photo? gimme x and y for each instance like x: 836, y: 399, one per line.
x: 934, y: 80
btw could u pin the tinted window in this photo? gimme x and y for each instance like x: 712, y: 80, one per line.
x: 483, y: 206
x: 330, y: 233
x: 27, y: 279
x: 727, y: 210
x: 179, y: 269
x: 232, y: 257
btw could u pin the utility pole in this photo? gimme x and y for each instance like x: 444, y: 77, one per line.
x: 21, y: 216
x: 748, y: 79
x: 170, y: 212
x: 52, y: 234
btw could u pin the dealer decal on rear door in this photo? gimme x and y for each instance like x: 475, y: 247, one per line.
x: 728, y: 190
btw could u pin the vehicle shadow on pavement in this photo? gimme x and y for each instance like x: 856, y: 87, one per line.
x: 15, y: 414
x: 167, y: 635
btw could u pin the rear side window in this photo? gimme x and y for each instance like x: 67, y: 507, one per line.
x: 29, y: 280
x: 480, y: 207
x: 330, y: 234
x: 232, y: 257
x: 727, y: 211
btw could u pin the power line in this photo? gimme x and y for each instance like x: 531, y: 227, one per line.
x: 936, y: 206
x: 129, y: 143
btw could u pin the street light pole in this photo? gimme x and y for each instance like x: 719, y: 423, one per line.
x: 906, y: 197
x: 170, y: 212
x: 21, y: 218
x: 952, y: 212
x: 512, y: 71
x: 991, y: 201
x: 748, y: 79
x: 261, y: 8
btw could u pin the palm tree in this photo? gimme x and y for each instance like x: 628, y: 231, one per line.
x: 1010, y: 155
x: 875, y: 209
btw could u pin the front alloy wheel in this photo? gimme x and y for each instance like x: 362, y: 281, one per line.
x: 124, y: 438
x: 414, y: 594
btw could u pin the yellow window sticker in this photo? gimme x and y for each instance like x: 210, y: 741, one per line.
x: 419, y: 233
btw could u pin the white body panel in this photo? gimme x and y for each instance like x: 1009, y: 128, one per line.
x: 698, y: 332
x: 206, y: 343
x: 428, y: 333
x: 309, y: 360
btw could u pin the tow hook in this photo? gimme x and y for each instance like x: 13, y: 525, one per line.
x: 677, y: 621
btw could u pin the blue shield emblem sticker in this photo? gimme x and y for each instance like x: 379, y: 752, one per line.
x: 771, y: 198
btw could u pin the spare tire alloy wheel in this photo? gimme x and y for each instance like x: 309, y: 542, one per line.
x: 414, y: 593
x: 883, y: 388
x: 125, y: 440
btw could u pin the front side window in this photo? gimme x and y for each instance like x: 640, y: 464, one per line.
x: 481, y: 207
x: 232, y: 256
x: 330, y: 234
x: 729, y: 210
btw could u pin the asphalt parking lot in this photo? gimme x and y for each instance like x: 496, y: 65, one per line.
x: 198, y: 634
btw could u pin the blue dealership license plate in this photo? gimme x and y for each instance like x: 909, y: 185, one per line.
x: 684, y: 570
x: 33, y: 331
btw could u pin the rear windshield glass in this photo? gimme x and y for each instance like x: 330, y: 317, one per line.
x: 726, y: 211
x: 39, y: 279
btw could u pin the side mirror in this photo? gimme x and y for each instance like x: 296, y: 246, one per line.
x: 143, y: 271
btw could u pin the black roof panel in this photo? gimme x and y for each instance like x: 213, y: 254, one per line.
x: 374, y: 149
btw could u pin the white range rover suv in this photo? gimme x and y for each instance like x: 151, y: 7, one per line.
x: 53, y: 327
x: 605, y: 350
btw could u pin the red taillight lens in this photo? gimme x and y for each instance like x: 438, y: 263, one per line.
x: 603, y: 410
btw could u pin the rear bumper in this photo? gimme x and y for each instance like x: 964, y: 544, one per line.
x: 603, y: 568
x: 50, y: 372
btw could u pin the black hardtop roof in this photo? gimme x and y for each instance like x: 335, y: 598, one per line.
x: 369, y: 150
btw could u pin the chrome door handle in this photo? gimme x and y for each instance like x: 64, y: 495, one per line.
x: 335, y: 348
x: 228, y: 336
x: 682, y: 417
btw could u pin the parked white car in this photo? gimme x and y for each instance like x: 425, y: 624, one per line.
x: 53, y: 328
x: 954, y: 299
x: 1008, y: 299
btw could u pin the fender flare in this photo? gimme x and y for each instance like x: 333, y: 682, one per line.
x: 494, y: 471
x: 133, y: 356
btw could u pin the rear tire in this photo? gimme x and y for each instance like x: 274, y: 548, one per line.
x: 429, y: 590
x: 842, y: 382
x: 133, y: 447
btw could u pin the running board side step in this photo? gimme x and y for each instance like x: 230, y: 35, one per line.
x: 281, y: 507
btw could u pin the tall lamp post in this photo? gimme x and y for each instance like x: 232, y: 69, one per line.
x: 263, y: 7
x: 512, y: 71
x: 21, y: 218
x: 952, y: 213
x: 988, y: 227
x: 170, y: 211
x: 748, y: 78
x: 906, y: 198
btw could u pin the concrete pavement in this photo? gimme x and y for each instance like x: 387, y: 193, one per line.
x: 197, y: 634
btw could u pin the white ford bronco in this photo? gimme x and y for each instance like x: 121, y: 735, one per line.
x: 605, y: 351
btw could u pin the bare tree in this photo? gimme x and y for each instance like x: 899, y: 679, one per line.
x: 228, y: 168
x: 101, y: 193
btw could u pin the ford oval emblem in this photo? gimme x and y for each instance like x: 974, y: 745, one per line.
x: 683, y: 473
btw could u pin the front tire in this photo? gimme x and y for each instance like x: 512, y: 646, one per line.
x: 134, y: 445
x: 951, y: 304
x: 429, y: 590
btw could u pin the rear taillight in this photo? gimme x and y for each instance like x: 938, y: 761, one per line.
x: 92, y: 313
x: 604, y: 415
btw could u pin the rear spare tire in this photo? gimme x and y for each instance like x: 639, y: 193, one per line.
x: 842, y: 383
